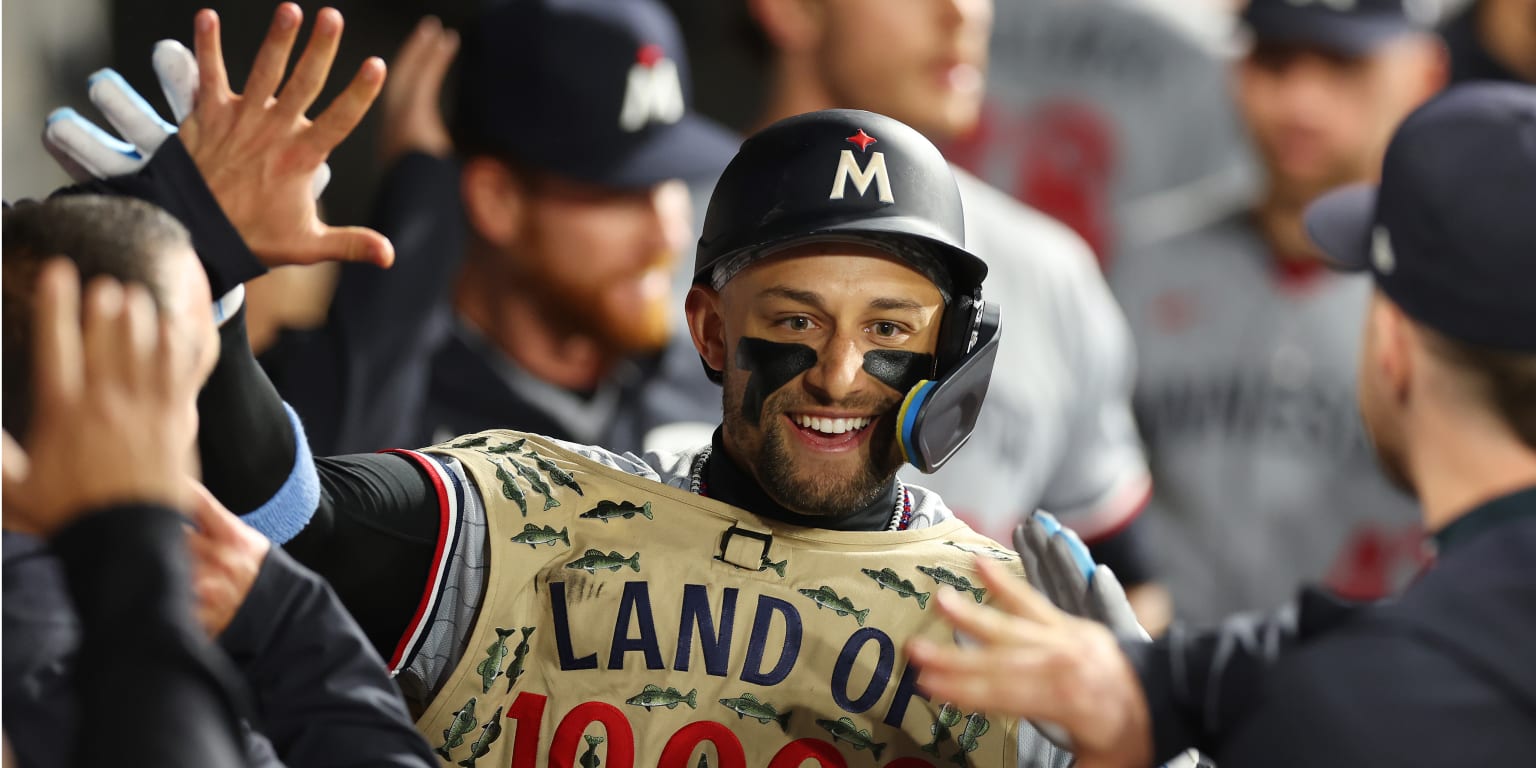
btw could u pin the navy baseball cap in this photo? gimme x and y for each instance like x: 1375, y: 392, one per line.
x: 1450, y: 233
x: 1347, y: 27
x: 590, y: 90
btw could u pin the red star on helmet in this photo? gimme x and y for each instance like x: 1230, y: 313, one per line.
x: 650, y: 54
x: 861, y: 139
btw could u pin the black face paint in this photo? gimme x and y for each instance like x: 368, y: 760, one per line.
x: 898, y: 370
x: 771, y: 365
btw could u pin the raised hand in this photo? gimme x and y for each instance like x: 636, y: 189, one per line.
x: 413, y: 119
x: 1033, y: 661
x: 86, y: 152
x: 112, y: 417
x: 259, y: 153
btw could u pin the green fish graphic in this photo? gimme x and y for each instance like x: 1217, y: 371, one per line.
x: 489, y: 733
x: 594, y: 561
x: 826, y: 597
x: 748, y: 705
x: 471, y: 442
x: 536, y: 483
x: 949, y: 717
x: 516, y: 446
x: 558, y: 475
x: 510, y: 489
x: 496, y: 655
x: 607, y: 510
x: 843, y: 729
x: 589, y: 758
x: 946, y: 576
x: 889, y: 579
x: 534, y: 535
x: 976, y: 725
x: 653, y: 696
x: 519, y: 659
x: 775, y: 567
x: 463, y: 722
x: 989, y: 551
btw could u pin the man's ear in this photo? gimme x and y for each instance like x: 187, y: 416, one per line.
x: 1396, y: 346
x: 789, y: 25
x: 706, y: 325
x: 493, y: 200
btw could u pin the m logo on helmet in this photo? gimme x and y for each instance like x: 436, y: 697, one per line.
x: 653, y: 93
x: 848, y: 170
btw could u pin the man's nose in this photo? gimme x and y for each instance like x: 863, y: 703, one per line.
x: 839, y: 365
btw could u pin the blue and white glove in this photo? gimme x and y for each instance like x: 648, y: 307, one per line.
x: 1058, y: 564
x: 86, y: 152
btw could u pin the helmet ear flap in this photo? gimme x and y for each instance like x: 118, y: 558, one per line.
x: 957, y: 331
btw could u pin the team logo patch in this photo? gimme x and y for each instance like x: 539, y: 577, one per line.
x: 653, y: 92
x: 848, y: 169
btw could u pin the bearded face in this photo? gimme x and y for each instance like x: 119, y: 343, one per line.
x: 818, y: 349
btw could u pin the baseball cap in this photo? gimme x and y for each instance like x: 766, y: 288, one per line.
x: 1348, y: 27
x: 589, y: 90
x: 1450, y: 233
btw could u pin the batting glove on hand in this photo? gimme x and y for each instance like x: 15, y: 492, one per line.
x: 87, y: 152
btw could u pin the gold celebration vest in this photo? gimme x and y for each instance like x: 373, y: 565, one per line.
x: 629, y: 624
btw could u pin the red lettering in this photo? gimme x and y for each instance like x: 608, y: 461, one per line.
x: 795, y: 753
x: 679, y: 748
x: 527, y: 711
x: 621, y: 737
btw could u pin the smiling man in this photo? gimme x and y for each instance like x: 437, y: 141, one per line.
x: 751, y: 592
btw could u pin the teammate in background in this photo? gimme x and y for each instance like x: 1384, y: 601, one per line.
x: 536, y: 246
x: 1442, y: 674
x: 1056, y: 431
x: 1264, y: 475
x: 1493, y: 40
x: 1112, y: 117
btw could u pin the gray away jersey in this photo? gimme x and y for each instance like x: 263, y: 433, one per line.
x: 1246, y: 397
x: 1056, y: 430
x: 1110, y: 118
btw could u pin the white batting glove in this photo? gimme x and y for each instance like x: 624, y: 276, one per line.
x: 86, y: 152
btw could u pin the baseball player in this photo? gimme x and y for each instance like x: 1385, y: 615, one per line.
x: 1111, y: 117
x: 741, y: 601
x: 1057, y: 431
x: 536, y: 246
x: 1247, y: 366
x: 1442, y: 674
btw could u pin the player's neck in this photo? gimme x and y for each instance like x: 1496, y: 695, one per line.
x: 1463, y: 461
x: 794, y: 90
x: 1280, y: 224
x: 1507, y: 31
x: 519, y: 325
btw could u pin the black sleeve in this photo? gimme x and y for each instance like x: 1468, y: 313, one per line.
x: 245, y: 441
x: 172, y: 181
x: 374, y: 539
x: 131, y: 585
x: 360, y: 381
x: 1200, y: 685
x: 1125, y: 552
x: 322, y: 694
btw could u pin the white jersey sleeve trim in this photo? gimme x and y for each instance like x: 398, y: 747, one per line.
x: 1112, y: 511
x: 450, y: 494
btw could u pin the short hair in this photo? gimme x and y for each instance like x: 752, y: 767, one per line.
x: 116, y: 237
x: 1504, y: 382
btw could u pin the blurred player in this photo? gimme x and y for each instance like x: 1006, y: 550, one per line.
x: 1264, y: 475
x: 1056, y: 431
x: 1493, y: 40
